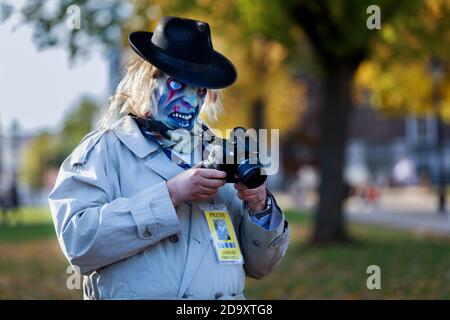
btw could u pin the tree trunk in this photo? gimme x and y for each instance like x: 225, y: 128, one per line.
x: 335, y: 110
x: 258, y: 112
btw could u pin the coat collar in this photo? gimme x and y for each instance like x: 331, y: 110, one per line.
x: 131, y: 136
x: 129, y: 133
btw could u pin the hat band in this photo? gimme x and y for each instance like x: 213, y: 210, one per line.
x: 181, y: 64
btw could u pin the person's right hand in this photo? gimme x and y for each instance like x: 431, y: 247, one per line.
x: 195, y: 184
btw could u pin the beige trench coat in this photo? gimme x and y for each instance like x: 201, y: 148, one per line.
x: 115, y: 222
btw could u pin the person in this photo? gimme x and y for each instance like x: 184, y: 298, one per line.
x: 128, y: 216
x: 221, y: 229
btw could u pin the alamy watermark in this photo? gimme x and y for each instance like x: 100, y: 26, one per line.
x: 244, y: 145
x: 73, y: 21
x: 374, y: 280
x: 75, y: 280
x: 374, y: 20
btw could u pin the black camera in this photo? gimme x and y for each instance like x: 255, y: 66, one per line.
x: 238, y: 157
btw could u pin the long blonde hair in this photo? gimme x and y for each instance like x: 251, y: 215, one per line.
x: 134, y: 92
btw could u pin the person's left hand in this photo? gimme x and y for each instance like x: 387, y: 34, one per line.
x: 256, y: 198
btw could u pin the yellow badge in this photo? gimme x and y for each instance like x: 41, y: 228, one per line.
x: 223, y: 236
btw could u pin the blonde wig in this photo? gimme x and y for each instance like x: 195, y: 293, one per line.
x: 134, y: 92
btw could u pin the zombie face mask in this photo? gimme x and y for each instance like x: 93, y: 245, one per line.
x: 176, y: 104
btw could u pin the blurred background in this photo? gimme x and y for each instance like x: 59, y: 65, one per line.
x: 360, y: 91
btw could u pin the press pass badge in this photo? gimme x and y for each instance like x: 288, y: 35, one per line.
x: 222, y: 234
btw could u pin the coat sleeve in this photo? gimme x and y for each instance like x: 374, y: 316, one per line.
x: 262, y: 248
x: 95, y: 230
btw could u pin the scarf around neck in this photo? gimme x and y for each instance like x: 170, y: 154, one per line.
x: 179, y: 140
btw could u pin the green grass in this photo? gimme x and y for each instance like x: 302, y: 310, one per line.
x: 412, y: 265
x: 27, y: 224
x: 32, y: 265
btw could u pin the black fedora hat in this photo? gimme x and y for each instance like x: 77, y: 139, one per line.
x: 182, y: 48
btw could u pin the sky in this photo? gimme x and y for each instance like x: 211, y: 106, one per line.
x: 39, y: 87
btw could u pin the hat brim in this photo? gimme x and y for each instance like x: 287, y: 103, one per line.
x: 219, y: 73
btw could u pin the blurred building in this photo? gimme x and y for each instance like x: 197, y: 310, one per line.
x: 381, y: 149
x: 395, y: 150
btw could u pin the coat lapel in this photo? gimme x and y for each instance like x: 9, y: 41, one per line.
x: 162, y: 165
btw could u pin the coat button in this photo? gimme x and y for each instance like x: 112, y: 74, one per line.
x: 174, y: 238
x: 218, y: 295
x: 147, y: 233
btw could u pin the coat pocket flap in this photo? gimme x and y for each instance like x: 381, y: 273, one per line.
x: 283, y: 238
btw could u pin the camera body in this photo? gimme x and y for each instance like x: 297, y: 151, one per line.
x: 237, y: 156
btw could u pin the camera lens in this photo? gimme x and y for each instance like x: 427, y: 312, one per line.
x: 251, y: 175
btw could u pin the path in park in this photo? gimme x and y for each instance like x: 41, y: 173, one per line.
x: 406, y: 208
